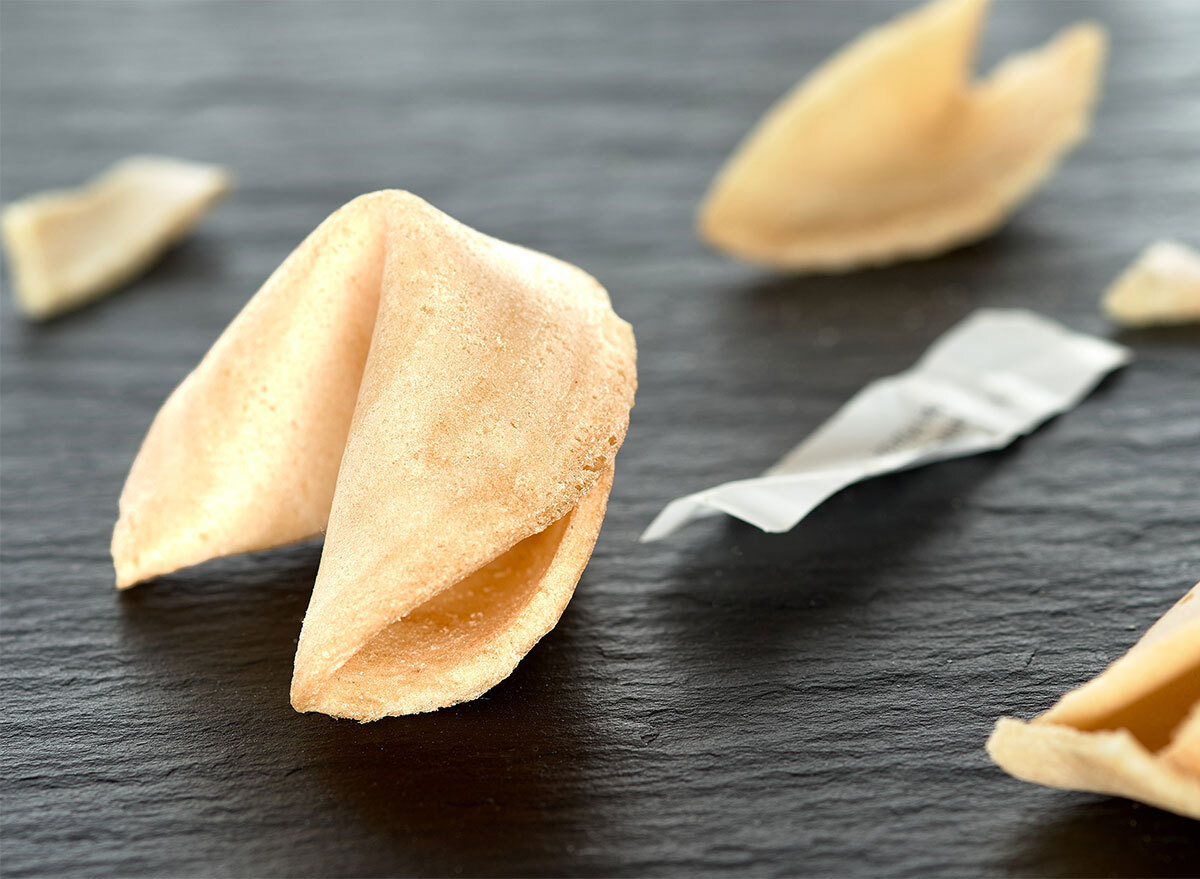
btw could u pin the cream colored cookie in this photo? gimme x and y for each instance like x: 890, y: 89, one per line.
x: 1161, y: 287
x: 888, y: 151
x: 445, y: 406
x: 69, y: 247
x: 1134, y: 731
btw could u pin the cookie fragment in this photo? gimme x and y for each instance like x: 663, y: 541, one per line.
x: 888, y: 151
x: 70, y: 247
x: 1133, y: 731
x: 1161, y: 287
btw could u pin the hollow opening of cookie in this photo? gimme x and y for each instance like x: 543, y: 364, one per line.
x: 452, y: 646
x: 1154, y: 717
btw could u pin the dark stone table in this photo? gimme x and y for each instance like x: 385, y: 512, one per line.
x: 723, y: 702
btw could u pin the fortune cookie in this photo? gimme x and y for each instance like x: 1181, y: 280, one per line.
x: 888, y: 151
x: 1134, y: 731
x: 1161, y: 287
x: 67, y: 248
x: 446, y: 407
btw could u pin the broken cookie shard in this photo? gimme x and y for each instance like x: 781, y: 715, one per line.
x: 444, y: 406
x: 1161, y: 287
x: 70, y: 247
x: 1134, y: 731
x: 889, y: 151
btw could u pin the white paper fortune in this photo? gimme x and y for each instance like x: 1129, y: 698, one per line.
x: 992, y: 378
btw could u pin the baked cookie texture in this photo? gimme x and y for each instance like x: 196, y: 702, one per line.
x: 1133, y: 731
x: 445, y: 407
x: 890, y: 151
x: 70, y: 247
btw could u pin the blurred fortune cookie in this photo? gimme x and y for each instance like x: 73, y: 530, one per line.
x: 1161, y: 287
x: 1134, y: 731
x: 888, y: 151
x: 69, y: 247
x: 444, y: 406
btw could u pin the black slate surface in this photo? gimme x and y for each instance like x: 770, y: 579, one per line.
x: 724, y: 702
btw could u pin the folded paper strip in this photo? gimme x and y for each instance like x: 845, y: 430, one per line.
x: 889, y: 151
x: 1161, y: 287
x: 1134, y: 731
x: 992, y: 378
x: 446, y: 407
x: 70, y: 247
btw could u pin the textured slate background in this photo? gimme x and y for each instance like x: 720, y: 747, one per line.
x: 810, y: 703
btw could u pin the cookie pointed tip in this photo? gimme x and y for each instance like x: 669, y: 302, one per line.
x: 304, y: 693
x: 1085, y: 44
x: 1090, y: 34
x: 301, y: 704
x: 126, y: 575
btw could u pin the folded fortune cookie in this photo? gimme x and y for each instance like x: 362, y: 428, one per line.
x: 888, y: 151
x: 445, y: 406
x: 1134, y: 731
